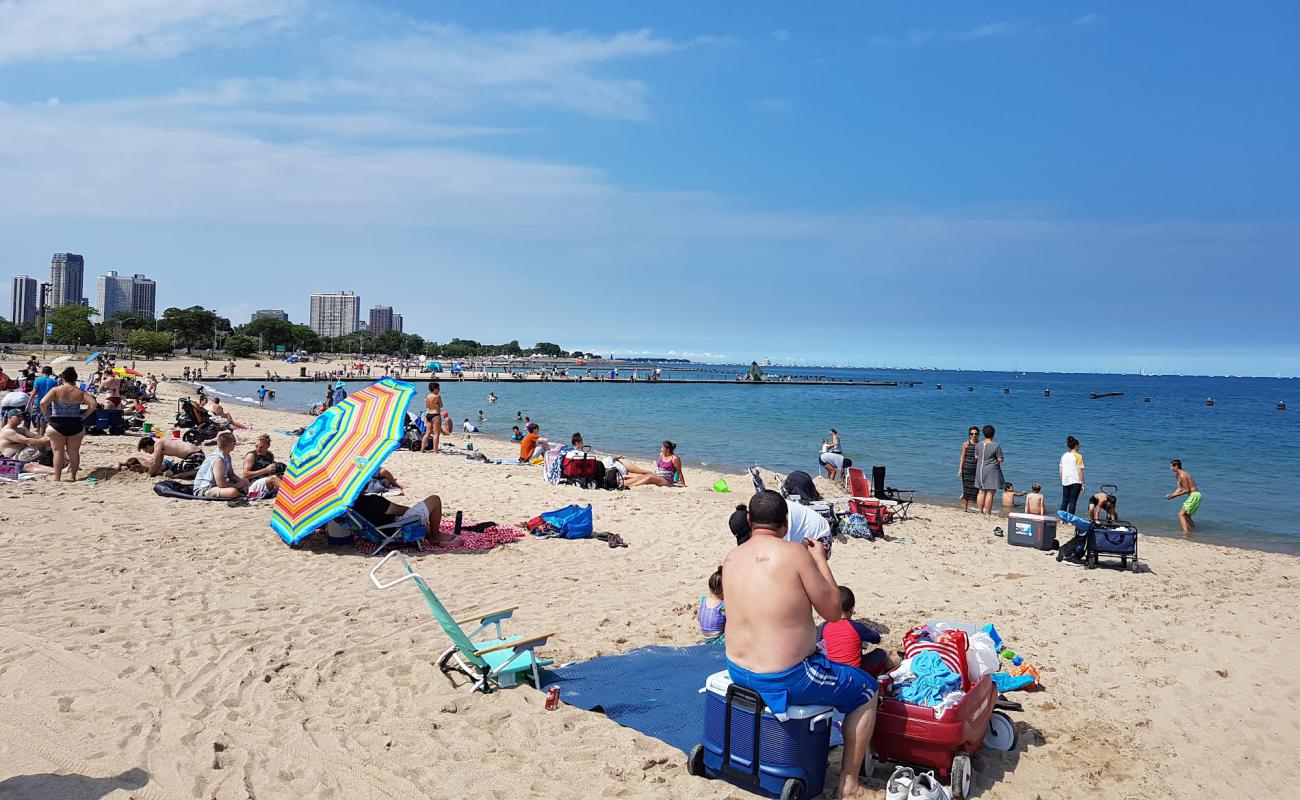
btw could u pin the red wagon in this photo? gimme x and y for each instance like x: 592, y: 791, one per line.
x: 909, y: 734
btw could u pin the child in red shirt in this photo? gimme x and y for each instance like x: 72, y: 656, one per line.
x: 845, y: 639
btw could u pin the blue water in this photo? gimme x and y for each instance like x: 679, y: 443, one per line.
x: 1242, y: 451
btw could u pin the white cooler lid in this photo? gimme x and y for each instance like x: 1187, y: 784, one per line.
x: 1034, y: 517
x: 719, y: 681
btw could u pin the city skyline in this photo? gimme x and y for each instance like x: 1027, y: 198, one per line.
x: 898, y: 184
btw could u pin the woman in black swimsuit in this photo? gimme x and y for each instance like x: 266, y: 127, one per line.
x: 62, y: 408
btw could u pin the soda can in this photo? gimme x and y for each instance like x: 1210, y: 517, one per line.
x: 552, y: 698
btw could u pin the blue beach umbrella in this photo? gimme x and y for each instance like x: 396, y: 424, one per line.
x: 91, y: 358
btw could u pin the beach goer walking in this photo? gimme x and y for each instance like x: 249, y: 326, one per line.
x: 1186, y: 486
x: 988, y: 467
x: 61, y: 407
x: 40, y: 387
x: 771, y: 588
x: 261, y: 394
x: 432, y: 417
x: 1071, y: 475
x: 966, y: 468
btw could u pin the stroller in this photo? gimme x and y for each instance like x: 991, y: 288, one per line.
x: 1093, y: 540
x: 198, y: 422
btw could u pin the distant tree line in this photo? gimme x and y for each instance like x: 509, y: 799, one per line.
x: 204, y: 329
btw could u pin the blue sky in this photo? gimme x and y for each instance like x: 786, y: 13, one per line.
x: 1052, y: 186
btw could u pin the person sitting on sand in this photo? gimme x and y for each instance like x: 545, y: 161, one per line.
x: 1102, y: 501
x: 176, y: 458
x: 713, y: 612
x: 260, y: 461
x: 469, y: 427
x: 532, y: 445
x: 667, y: 470
x: 1034, y: 500
x: 446, y: 422
x: 772, y: 587
x: 845, y: 640
x: 19, y: 443
x: 219, y: 413
x: 379, y: 510
x: 1009, y: 496
x: 216, y: 476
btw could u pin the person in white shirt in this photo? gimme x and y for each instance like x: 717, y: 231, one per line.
x: 1071, y: 475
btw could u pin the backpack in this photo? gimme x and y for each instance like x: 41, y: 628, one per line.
x: 613, y: 479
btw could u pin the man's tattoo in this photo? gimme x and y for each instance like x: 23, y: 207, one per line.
x: 761, y: 559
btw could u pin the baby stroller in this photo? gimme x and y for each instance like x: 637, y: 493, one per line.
x: 197, y: 420
x: 413, y: 432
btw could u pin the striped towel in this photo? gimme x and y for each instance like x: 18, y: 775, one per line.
x: 950, y: 645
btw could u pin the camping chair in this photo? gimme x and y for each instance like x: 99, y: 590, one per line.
x: 498, y: 660
x: 901, y: 498
x: 863, y: 501
x: 382, y: 536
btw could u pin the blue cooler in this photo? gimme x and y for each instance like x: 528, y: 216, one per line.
x: 792, y: 748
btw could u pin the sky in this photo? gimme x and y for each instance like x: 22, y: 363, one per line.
x: 1061, y: 186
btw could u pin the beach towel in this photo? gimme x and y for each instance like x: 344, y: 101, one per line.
x: 471, y: 541
x: 181, y: 491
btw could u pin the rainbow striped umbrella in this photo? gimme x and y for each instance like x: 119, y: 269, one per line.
x: 335, y: 458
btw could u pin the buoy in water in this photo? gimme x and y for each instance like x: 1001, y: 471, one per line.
x: 1006, y: 390
x: 1146, y: 399
x: 1281, y: 405
x: 970, y: 388
x: 938, y: 386
x: 1047, y: 393
x: 1209, y: 401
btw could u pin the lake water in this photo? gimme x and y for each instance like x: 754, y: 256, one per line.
x: 1243, y: 452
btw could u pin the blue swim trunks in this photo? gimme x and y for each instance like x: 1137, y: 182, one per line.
x: 815, y: 681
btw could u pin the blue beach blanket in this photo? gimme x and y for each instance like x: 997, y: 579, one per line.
x: 654, y: 690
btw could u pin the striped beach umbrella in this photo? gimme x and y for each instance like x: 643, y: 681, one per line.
x: 335, y: 457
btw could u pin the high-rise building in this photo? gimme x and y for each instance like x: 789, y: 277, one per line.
x: 381, y: 319
x: 67, y: 275
x: 143, y: 293
x: 270, y: 313
x: 335, y: 313
x: 25, y: 300
x: 397, y: 323
x: 114, y: 295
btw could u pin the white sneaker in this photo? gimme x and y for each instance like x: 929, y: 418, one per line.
x: 899, y: 785
x: 927, y: 787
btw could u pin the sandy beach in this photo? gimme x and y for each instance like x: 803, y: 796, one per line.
x: 158, y: 648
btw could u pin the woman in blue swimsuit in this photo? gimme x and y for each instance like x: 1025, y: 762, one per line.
x: 61, y: 406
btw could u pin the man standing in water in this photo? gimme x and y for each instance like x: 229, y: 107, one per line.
x: 772, y: 587
x: 1186, y: 486
x: 432, y: 417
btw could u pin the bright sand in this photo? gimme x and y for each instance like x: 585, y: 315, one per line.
x: 183, y: 640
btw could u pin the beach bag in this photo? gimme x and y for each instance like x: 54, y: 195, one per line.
x: 551, y: 465
x: 856, y: 525
x: 10, y: 468
x: 571, y: 522
x: 613, y: 479
x: 951, y: 646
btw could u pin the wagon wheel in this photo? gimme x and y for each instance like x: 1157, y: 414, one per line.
x: 960, y: 776
x: 793, y: 790
x: 695, y: 761
x: 1133, y: 565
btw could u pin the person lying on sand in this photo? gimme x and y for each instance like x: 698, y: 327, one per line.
x: 175, y: 458
x: 379, y: 510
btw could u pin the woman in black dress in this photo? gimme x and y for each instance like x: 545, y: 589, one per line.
x: 966, y: 468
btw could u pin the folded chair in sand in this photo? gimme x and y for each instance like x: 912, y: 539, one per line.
x: 864, y: 501
x: 490, y: 661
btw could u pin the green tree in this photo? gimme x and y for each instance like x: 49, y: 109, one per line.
x: 129, y: 321
x: 271, y: 331
x: 304, y: 338
x: 9, y: 332
x: 240, y: 346
x: 548, y: 349
x: 194, y: 326
x: 414, y: 344
x: 149, y: 343
x: 72, y: 325
x: 389, y: 342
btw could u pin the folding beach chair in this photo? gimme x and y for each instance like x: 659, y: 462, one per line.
x: 901, y: 498
x: 382, y: 536
x: 863, y: 501
x: 498, y: 660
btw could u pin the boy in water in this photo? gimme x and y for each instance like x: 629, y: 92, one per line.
x: 1034, y: 500
x: 432, y: 417
x: 1009, y: 496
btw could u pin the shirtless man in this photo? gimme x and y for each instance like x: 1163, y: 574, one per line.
x: 219, y: 413
x: 14, y: 438
x: 432, y: 417
x: 168, y: 455
x: 772, y: 587
x: 1186, y: 486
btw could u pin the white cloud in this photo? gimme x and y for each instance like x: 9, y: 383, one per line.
x: 993, y: 30
x: 49, y: 30
x: 920, y: 36
x: 1088, y: 19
